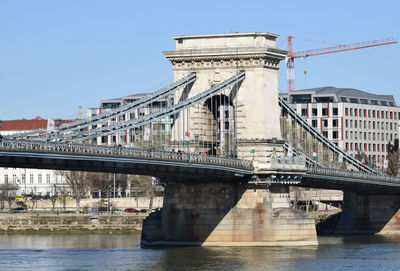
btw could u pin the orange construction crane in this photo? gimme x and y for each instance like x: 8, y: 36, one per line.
x: 328, y: 50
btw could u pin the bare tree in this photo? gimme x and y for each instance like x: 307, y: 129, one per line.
x: 8, y: 192
x: 393, y: 163
x: 79, y: 183
x: 145, y: 182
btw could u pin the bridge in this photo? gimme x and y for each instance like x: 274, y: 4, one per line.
x: 217, y: 146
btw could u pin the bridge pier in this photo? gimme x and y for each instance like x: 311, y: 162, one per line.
x: 365, y: 213
x: 227, y: 214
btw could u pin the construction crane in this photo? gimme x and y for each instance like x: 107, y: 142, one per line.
x: 328, y: 50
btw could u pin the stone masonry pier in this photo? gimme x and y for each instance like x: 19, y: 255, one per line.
x: 227, y: 214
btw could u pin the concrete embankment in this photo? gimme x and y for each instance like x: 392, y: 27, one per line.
x: 69, y: 223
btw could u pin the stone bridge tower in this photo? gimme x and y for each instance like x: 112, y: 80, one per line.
x: 217, y: 57
x: 238, y: 211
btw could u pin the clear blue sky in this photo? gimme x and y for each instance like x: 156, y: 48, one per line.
x: 57, y: 55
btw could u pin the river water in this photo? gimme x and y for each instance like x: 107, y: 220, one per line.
x: 122, y: 252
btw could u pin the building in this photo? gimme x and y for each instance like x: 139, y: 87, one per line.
x: 354, y: 120
x: 129, y: 137
x: 40, y: 182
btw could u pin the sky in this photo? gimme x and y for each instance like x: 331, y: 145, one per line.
x: 58, y: 55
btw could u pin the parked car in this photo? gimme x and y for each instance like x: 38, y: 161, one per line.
x: 131, y: 210
x: 143, y: 210
x: 18, y: 210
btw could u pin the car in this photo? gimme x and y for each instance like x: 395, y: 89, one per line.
x: 66, y: 197
x: 20, y: 198
x: 18, y: 210
x: 143, y: 210
x: 131, y: 210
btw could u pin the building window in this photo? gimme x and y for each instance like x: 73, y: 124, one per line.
x: 346, y: 111
x: 31, y: 178
x: 347, y: 123
x: 347, y: 135
x: 355, y: 124
x: 356, y: 112
x: 5, y: 179
x: 325, y: 123
x: 14, y: 178
x: 47, y: 178
x: 23, y: 178
x: 39, y: 178
x: 373, y: 125
x: 335, y: 134
x: 335, y: 111
x: 314, y: 123
x: 314, y: 112
x: 104, y: 139
x: 335, y: 123
x: 351, y: 123
x: 351, y: 112
x: 325, y: 134
x: 303, y: 112
x: 369, y: 113
x: 324, y: 111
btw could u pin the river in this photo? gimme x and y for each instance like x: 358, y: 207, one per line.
x: 122, y: 252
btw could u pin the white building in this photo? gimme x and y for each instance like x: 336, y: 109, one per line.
x: 131, y: 136
x: 354, y: 120
x: 40, y: 182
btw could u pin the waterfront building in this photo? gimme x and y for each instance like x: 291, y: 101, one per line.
x: 40, y: 182
x: 354, y: 120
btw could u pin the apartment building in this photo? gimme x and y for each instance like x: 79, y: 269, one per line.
x: 354, y: 120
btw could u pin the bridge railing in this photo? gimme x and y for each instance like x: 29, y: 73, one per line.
x: 352, y: 174
x: 99, y: 150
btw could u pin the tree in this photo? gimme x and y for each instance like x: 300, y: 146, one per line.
x: 146, y: 183
x: 79, y: 183
x: 393, y: 163
x: 7, y: 193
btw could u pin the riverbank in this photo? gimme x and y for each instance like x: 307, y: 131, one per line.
x: 39, y: 222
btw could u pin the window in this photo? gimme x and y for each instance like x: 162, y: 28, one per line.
x: 335, y: 111
x: 39, y: 178
x: 303, y: 112
x: 23, y: 178
x: 324, y: 111
x: 104, y: 139
x: 131, y: 116
x: 325, y: 123
x: 14, y: 178
x: 31, y: 178
x: 369, y: 113
x: 47, y: 178
x: 355, y: 124
x: 335, y: 123
x: 347, y: 135
x: 374, y: 102
x: 325, y: 133
x: 343, y: 99
x: 346, y: 111
x: 351, y: 123
x: 354, y: 100
x: 373, y: 136
x: 384, y: 103
x: 314, y: 112
x: 364, y: 101
x: 5, y: 179
x: 351, y: 134
x: 365, y: 124
x: 347, y: 123
x: 227, y: 113
x: 351, y: 111
x: 373, y: 125
x: 356, y: 112
x: 391, y: 103
x: 314, y: 123
x: 226, y: 125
